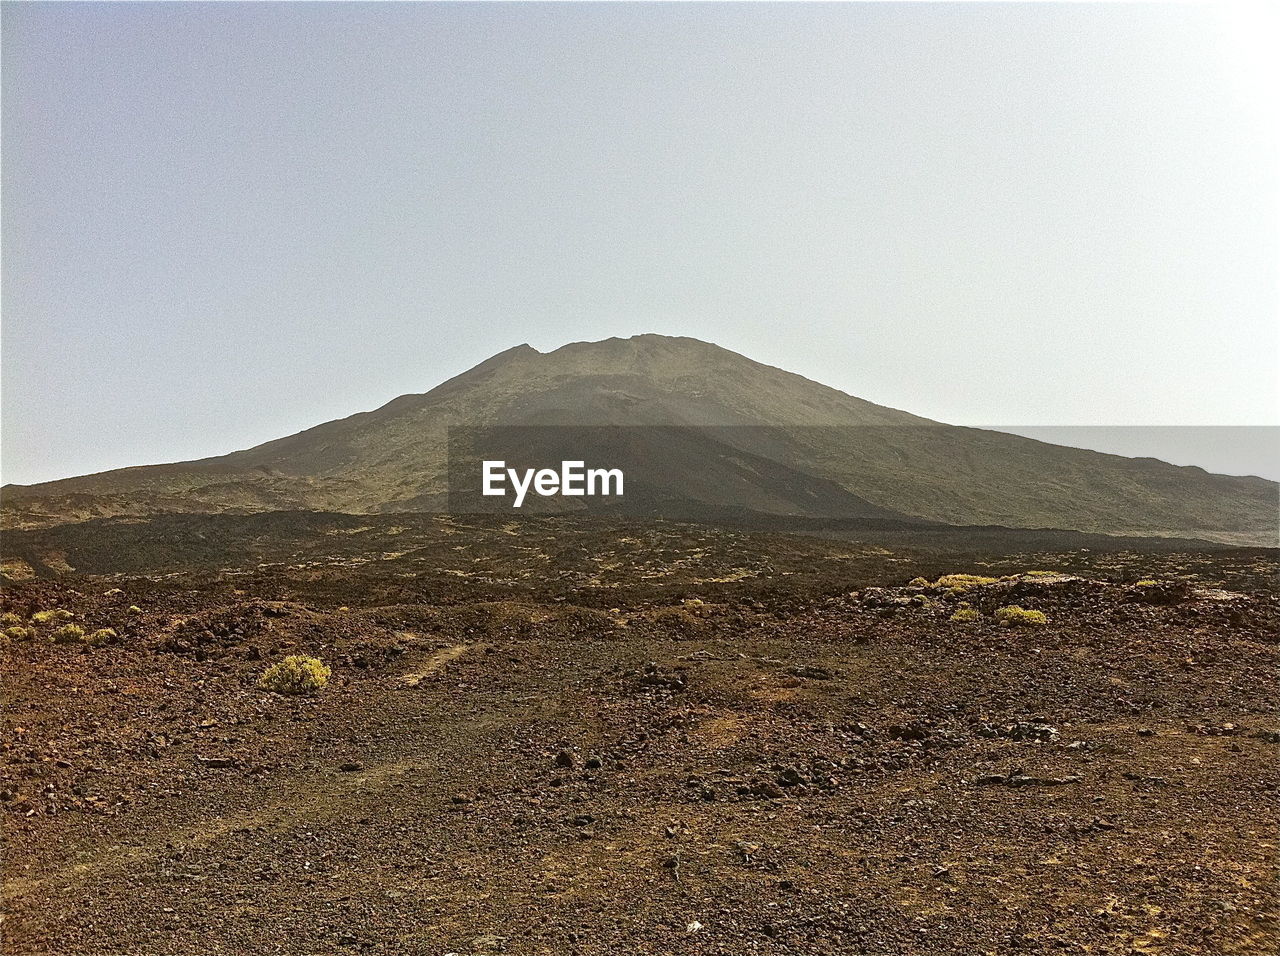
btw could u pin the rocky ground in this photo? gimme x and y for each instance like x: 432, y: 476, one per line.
x: 647, y: 739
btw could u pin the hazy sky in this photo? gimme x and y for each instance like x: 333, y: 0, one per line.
x: 225, y: 223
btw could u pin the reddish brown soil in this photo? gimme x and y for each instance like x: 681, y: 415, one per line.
x: 587, y: 767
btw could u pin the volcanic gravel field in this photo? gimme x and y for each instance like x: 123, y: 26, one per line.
x: 646, y: 738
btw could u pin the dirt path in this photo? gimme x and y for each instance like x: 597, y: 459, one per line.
x: 434, y: 664
x: 309, y: 800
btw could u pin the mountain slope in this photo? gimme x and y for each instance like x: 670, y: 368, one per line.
x: 778, y: 442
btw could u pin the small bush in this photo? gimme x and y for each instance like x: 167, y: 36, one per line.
x: 1147, y: 583
x: 1014, y: 616
x: 68, y: 634
x: 134, y: 609
x: 296, y: 674
x: 919, y: 583
x: 49, y: 617
x: 103, y: 636
x: 962, y: 581
x: 17, y: 633
x: 966, y: 615
x: 9, y: 619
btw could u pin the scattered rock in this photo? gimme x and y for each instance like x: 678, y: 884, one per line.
x: 1021, y: 730
x: 812, y: 672
x: 1024, y: 780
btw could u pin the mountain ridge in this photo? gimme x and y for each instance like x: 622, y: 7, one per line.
x: 395, y: 457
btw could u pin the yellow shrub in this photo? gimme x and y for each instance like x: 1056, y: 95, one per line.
x: 9, y: 619
x: 48, y: 617
x: 68, y: 634
x: 1014, y: 616
x: 103, y: 636
x: 1147, y: 583
x: 17, y: 633
x: 295, y: 674
x: 919, y: 583
x: 966, y: 615
x: 962, y: 581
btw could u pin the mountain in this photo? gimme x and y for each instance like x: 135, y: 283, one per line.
x: 703, y: 432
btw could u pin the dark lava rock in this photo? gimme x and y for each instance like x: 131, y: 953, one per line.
x: 909, y: 732
x: 791, y: 777
x: 1167, y: 592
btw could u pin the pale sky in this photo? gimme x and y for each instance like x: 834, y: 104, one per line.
x: 225, y: 223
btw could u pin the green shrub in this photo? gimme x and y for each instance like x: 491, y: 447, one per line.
x: 966, y: 615
x: 9, y: 619
x: 296, y: 674
x: 102, y: 636
x: 919, y: 583
x: 134, y: 609
x: 49, y: 617
x: 68, y: 634
x: 1014, y: 616
x: 1147, y: 583
x: 17, y: 633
